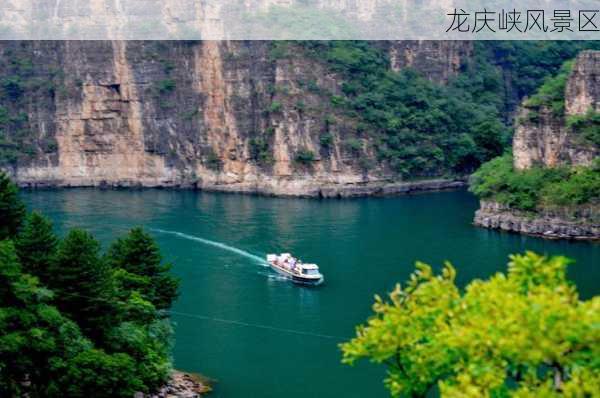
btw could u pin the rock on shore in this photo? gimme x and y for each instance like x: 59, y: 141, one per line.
x: 181, y: 385
x: 584, y: 226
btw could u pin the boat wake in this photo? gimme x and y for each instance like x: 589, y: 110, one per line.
x: 219, y: 245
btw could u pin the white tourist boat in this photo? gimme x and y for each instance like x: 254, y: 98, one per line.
x: 296, y: 270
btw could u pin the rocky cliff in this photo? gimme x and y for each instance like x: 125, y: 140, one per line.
x: 228, y: 116
x: 545, y: 137
x: 579, y: 224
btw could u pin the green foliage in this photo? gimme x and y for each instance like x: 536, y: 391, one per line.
x: 12, y: 209
x: 304, y: 156
x: 93, y: 373
x: 537, y: 187
x: 353, y: 144
x: 12, y: 87
x: 275, y: 107
x: 326, y: 140
x: 36, y: 246
x: 416, y: 124
x: 37, y: 343
x: 526, y: 64
x: 138, y: 255
x: 551, y: 94
x: 213, y: 161
x: 260, y: 150
x: 524, y: 334
x: 586, y: 126
x: 582, y: 186
x: 81, y: 281
x: 279, y: 50
x: 165, y: 86
x: 96, y: 327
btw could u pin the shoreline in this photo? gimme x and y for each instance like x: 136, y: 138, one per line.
x: 302, y: 190
x: 182, y: 384
x: 494, y: 215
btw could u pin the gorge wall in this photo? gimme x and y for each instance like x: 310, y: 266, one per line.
x: 544, y: 138
x: 225, y: 116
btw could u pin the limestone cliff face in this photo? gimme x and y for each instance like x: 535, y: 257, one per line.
x: 438, y: 60
x: 545, y: 139
x: 214, y: 115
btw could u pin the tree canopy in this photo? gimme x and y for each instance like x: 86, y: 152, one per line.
x: 70, y: 324
x: 12, y: 209
x: 521, y: 334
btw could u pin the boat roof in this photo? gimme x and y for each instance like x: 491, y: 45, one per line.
x: 310, y: 266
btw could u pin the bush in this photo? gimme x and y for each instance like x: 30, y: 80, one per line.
x: 275, y: 107
x: 304, y: 156
x: 551, y: 94
x: 586, y: 126
x: 326, y: 140
x: 213, y: 161
x: 522, y: 333
x: 537, y: 187
x: 260, y: 150
x: 165, y: 86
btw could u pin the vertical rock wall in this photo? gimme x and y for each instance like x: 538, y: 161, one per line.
x: 546, y: 140
x: 216, y: 115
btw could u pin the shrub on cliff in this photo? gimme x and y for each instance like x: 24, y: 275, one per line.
x: 536, y: 188
x: 523, y: 334
x: 586, y: 126
x: 551, y: 94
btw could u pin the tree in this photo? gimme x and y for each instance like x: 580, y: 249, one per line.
x: 94, y: 373
x: 36, y: 245
x: 82, y: 283
x: 136, y: 261
x: 36, y: 341
x: 524, y: 334
x: 12, y: 209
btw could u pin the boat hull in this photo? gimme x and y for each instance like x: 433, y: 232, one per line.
x: 295, y: 278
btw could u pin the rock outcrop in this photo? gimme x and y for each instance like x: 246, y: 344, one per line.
x: 545, y: 140
x: 180, y: 385
x: 438, y: 60
x: 225, y: 116
x: 583, y: 224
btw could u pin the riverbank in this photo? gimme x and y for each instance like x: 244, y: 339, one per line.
x: 297, y: 188
x: 181, y: 385
x: 583, y: 225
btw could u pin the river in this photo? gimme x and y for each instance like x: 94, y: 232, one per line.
x: 259, y: 335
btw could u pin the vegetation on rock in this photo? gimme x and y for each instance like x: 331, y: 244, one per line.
x: 551, y: 95
x: 536, y: 188
x: 523, y: 334
x: 586, y: 126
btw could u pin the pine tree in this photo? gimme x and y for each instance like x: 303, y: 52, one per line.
x: 82, y: 283
x: 136, y: 260
x: 36, y: 246
x: 36, y: 341
x: 12, y: 209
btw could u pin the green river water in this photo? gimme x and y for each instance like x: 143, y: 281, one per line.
x: 256, y: 333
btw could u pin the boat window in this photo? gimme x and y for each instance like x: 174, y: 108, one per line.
x: 311, y: 272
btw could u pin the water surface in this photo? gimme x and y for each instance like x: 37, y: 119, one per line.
x: 261, y: 336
